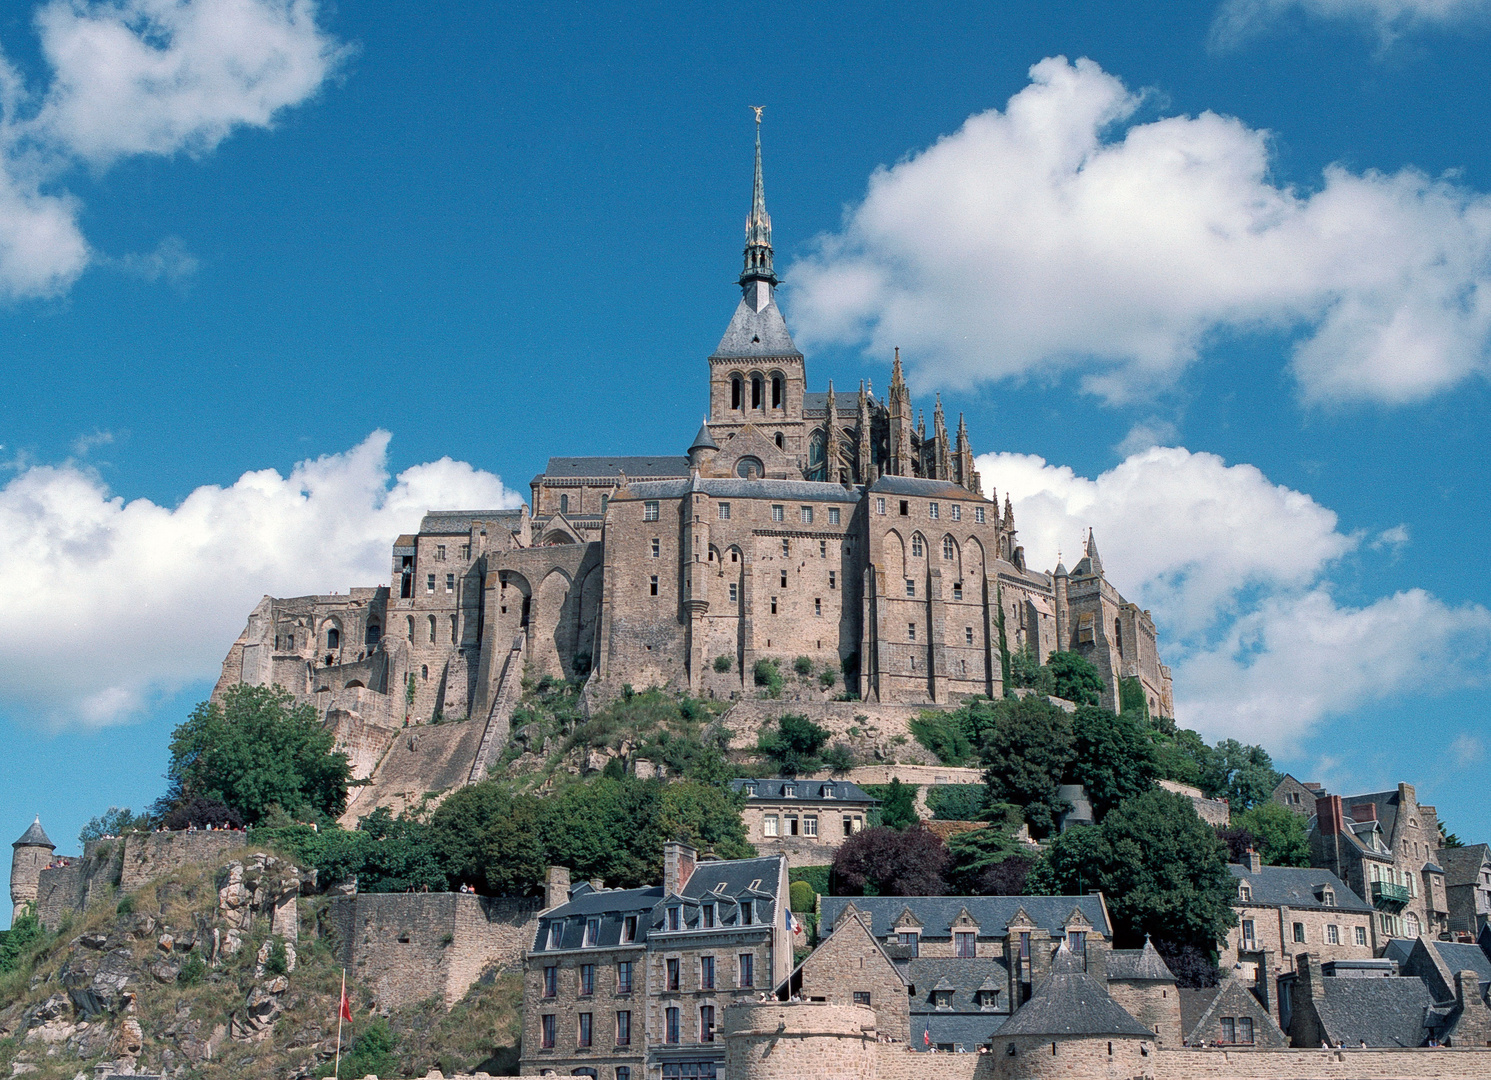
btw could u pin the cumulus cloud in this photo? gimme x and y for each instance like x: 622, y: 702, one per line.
x: 1467, y: 749
x: 1061, y: 235
x: 1236, y: 571
x: 1238, y: 20
x: 110, y: 601
x: 137, y: 77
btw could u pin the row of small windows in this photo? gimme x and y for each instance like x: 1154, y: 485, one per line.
x: 934, y: 510
x: 957, y: 588
x: 650, y: 512
x: 757, y: 390
x: 433, y: 627
x: 450, y: 584
x: 440, y: 552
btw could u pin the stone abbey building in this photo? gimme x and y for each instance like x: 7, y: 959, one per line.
x: 833, y: 526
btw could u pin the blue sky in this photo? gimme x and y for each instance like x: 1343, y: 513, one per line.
x: 1212, y: 279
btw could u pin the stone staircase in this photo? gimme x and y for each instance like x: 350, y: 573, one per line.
x: 499, y: 720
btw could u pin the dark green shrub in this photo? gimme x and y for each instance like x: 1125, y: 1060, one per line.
x: 768, y: 676
x: 838, y: 757
x: 723, y: 663
x: 957, y: 802
x: 803, y: 665
x: 827, y: 677
x: 803, y: 896
x: 277, y: 962
x: 126, y: 905
x: 815, y: 876
x: 193, y: 971
x: 943, y: 735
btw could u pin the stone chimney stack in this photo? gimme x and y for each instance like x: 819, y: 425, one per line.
x: 1332, y: 818
x: 678, y: 866
x: 1253, y: 860
x: 556, y: 887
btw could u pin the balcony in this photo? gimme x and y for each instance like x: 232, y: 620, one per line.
x: 1386, y: 894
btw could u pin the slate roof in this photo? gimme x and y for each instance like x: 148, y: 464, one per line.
x: 594, y: 467
x: 1457, y: 956
x: 735, y: 487
x: 726, y: 883
x: 813, y: 790
x: 1297, y: 887
x: 922, y: 487
x: 704, y: 440
x: 1385, y: 801
x: 1073, y: 1003
x: 992, y: 913
x: 963, y: 977
x: 1381, y: 1012
x: 458, y: 522
x: 611, y: 905
x: 1139, y: 964
x: 1462, y: 866
x: 756, y: 333
x: 816, y: 404
x: 34, y: 836
x: 970, y: 1029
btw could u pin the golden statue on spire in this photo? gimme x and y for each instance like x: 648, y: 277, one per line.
x: 758, y: 109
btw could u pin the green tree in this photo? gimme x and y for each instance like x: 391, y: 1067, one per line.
x: 957, y: 802
x: 793, y: 745
x: 1131, y: 699
x: 255, y: 750
x: 115, y: 821
x: 1243, y: 775
x: 1074, y: 678
x: 1449, y: 839
x: 491, y: 839
x: 372, y: 1053
x: 979, y: 860
x: 1025, y: 753
x: 803, y: 897
x: 1162, y: 869
x: 1026, y: 671
x: 897, y: 804
x: 1278, y: 832
x: 705, y: 816
x: 1181, y: 755
x: 1112, y: 757
x: 25, y: 933
x: 398, y: 854
x: 942, y: 734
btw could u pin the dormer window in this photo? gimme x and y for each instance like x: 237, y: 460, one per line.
x: 911, y: 939
x: 629, y: 929
x: 789, y: 790
x: 988, y: 999
x: 707, y: 918
x: 1328, y: 897
x: 828, y: 791
x: 750, y: 790
x: 556, y: 934
x: 1245, y: 891
x: 942, y: 999
x: 1076, y: 941
x: 675, y: 918
x: 592, y: 931
x: 746, y: 913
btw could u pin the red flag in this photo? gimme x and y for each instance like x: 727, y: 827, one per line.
x: 346, y: 1012
x: 927, y: 1037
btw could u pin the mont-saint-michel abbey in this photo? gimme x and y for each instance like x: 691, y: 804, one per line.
x: 831, y: 525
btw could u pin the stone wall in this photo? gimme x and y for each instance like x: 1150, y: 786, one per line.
x: 411, y: 946
x: 850, y: 962
x: 1237, y: 1064
x: 1154, y: 1004
x: 148, y: 856
x: 778, y: 1041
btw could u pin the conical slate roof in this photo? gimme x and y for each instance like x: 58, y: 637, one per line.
x: 1145, y: 963
x: 34, y: 837
x: 1073, y: 1003
x: 704, y: 440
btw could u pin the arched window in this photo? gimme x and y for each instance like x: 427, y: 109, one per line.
x: 454, y: 637
x: 333, y: 638
x: 1411, y: 924
x: 411, y: 629
x: 374, y: 633
x: 749, y: 467
x: 564, y: 504
x: 776, y: 391
x: 432, y: 629
x: 916, y: 545
x: 424, y: 671
x: 947, y: 547
x: 779, y: 440
x: 756, y: 392
x: 735, y: 401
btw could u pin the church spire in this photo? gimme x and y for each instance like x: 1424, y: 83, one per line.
x: 758, y: 254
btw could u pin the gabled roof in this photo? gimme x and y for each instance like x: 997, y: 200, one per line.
x: 754, y: 333
x: 1386, y: 803
x: 992, y: 913
x: 736, y: 876
x: 1298, y: 887
x: 964, y: 978
x: 1381, y: 1012
x: 1073, y: 1003
x: 601, y: 467
x: 458, y: 522
x: 922, y: 487
x: 1200, y: 1009
x: 1462, y: 866
x: 809, y: 790
x: 1144, y: 964
x: 34, y: 837
x: 611, y: 906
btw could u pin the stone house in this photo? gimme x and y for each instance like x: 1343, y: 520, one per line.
x: 1467, y: 885
x: 1297, y: 795
x: 1386, y: 847
x: 805, y: 820
x: 1458, y: 975
x: 1227, y: 1014
x: 1357, y: 1004
x: 627, y: 983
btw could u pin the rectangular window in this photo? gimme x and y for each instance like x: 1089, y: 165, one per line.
x: 605, y: 502
x: 967, y: 635
x: 1229, y: 1030
x: 592, y: 932
x: 879, y: 506
x: 905, y: 508
x: 784, y: 579
x: 587, y: 980
x: 706, y: 1023
x: 675, y: 918
x: 1025, y: 945
x: 450, y: 583
x: 832, y: 579
x: 1076, y: 941
x: 707, y: 922
x: 822, y: 549
x: 583, y: 1036
x: 624, y: 1072
x: 465, y: 551
x: 957, y: 512
x: 769, y: 825
x: 672, y: 1032
x: 624, y: 977
x: 910, y: 587
x: 556, y: 931
x: 817, y: 605
x: 786, y: 549
x: 1247, y: 934
x: 724, y: 511
x: 706, y: 973
x: 652, y: 585
x: 957, y: 590
x: 862, y: 997
x: 778, y: 512
x: 746, y: 911
x: 657, y: 547
x: 547, y: 1038
x: 965, y: 944
x: 978, y: 514
x: 810, y: 826
x: 429, y: 583
x: 551, y: 982
x: 1245, y: 1030
x: 734, y: 593
x: 439, y: 552
x: 672, y: 975
x: 649, y: 511
x: 791, y: 824
x: 624, y: 1028
x: 1361, y: 935
x: 932, y: 511
x: 773, y: 605
x: 911, y: 940
x: 629, y: 928
x: 1299, y: 932
x: 833, y: 515
x: 911, y: 631
x: 1332, y: 934
x: 806, y: 514
x: 747, y: 970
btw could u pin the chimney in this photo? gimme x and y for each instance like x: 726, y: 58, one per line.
x: 678, y: 866
x: 597, y: 884
x: 1253, y: 860
x: 1363, y: 812
x: 556, y: 887
x: 1328, y: 813
x: 1467, y: 988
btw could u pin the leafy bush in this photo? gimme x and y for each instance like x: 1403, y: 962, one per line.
x: 193, y: 971
x: 803, y: 896
x: 126, y: 905
x: 278, y: 961
x: 16, y: 944
x: 957, y: 802
x: 723, y: 663
x: 897, y: 809
x: 1131, y: 699
x: 1277, y: 832
x: 372, y: 1053
x: 943, y: 735
x: 769, y: 677
x: 794, y: 744
x: 838, y: 757
x: 1075, y: 679
x: 827, y: 678
x: 803, y: 665
x: 115, y: 821
x: 815, y: 876
x: 890, y: 862
x: 197, y: 811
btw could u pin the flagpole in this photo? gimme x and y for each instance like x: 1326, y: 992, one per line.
x: 341, y: 1005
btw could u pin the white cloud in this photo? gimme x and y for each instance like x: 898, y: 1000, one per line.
x: 1235, y: 569
x: 1058, y: 235
x: 1238, y: 20
x: 109, y: 601
x: 137, y: 77
x: 1467, y: 749
x: 1155, y: 431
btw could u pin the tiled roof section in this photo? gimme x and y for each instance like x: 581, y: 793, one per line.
x: 34, y: 837
x: 837, y: 790
x: 919, y: 486
x: 735, y: 487
x: 754, y: 333
x: 963, y: 977
x: 605, y: 467
x: 404, y: 545
x: 816, y: 404
x: 458, y: 522
x: 1298, y: 887
x: 1138, y: 964
x: 991, y: 913
x: 611, y: 906
x: 1462, y: 866
x: 970, y: 1030
x: 727, y: 883
x: 1073, y: 1003
x: 1194, y: 1001
x: 1462, y: 956
x: 1385, y: 801
x: 1381, y: 1012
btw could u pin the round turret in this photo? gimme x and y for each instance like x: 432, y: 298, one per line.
x: 30, y: 854
x: 779, y: 1040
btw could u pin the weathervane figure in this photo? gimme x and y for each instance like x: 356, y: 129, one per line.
x: 758, y: 109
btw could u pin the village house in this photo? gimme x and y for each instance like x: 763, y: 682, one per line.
x: 804, y: 820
